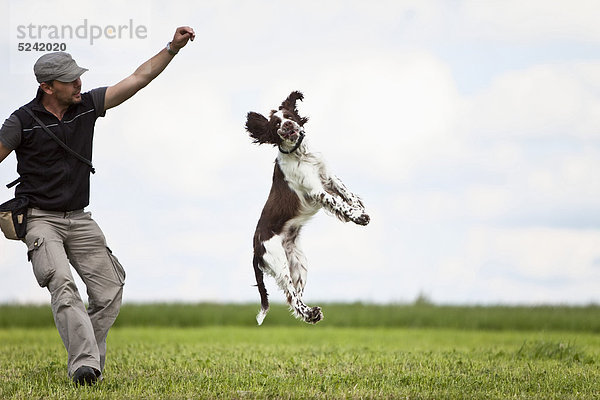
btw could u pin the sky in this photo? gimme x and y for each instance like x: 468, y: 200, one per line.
x: 471, y: 129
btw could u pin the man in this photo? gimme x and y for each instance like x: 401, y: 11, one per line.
x: 56, y: 183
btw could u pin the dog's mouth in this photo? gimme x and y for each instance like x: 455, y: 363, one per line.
x: 292, y: 136
x: 289, y: 131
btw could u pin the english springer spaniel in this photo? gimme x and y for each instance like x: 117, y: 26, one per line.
x: 302, y: 185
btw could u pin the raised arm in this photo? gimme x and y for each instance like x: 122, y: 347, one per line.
x: 146, y: 72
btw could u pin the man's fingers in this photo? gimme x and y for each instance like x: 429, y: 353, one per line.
x: 186, y: 30
x: 182, y: 35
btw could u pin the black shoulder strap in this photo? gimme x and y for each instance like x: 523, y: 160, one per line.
x: 60, y: 142
x: 14, y: 183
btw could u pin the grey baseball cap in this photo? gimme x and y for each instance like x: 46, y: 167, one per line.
x: 58, y: 66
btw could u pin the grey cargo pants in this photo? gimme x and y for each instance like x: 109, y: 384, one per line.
x: 55, y: 239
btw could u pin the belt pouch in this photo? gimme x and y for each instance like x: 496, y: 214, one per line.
x: 13, y: 218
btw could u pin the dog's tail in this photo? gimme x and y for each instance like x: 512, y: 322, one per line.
x: 264, y: 296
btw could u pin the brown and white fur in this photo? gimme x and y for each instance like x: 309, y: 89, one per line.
x: 302, y: 185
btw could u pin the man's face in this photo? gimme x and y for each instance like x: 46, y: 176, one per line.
x: 66, y: 93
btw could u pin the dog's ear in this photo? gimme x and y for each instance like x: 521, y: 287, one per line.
x: 258, y: 127
x: 290, y: 105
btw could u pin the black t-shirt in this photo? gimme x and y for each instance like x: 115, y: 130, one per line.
x: 51, y: 178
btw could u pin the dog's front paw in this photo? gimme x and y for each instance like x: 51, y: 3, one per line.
x: 362, y: 219
x: 314, y: 315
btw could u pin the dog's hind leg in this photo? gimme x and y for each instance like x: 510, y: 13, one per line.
x: 298, y: 274
x: 277, y: 265
x: 297, y: 262
x: 264, y: 297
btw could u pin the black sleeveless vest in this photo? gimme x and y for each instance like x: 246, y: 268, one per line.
x: 51, y: 178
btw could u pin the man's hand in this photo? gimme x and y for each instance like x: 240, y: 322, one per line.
x: 181, y: 37
x: 146, y: 72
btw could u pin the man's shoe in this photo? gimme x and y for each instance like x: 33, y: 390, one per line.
x: 85, y: 376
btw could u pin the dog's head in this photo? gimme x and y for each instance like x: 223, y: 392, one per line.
x: 283, y: 128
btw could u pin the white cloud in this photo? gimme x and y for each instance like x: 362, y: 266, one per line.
x: 531, y: 21
x: 401, y: 107
x: 543, y: 100
x: 541, y: 262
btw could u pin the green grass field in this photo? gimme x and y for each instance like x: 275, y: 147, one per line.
x: 416, y: 352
